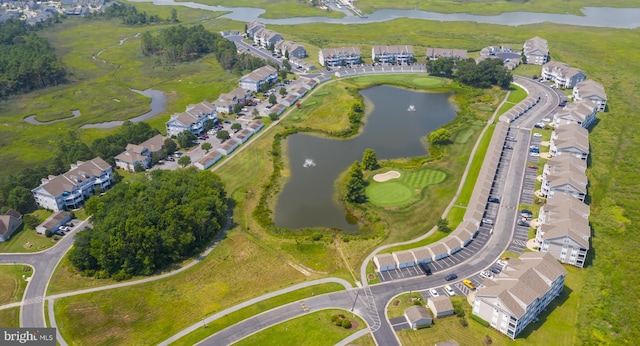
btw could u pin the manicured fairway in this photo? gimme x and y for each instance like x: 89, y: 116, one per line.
x: 404, y: 190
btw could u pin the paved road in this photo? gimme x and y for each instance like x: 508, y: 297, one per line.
x: 43, y: 263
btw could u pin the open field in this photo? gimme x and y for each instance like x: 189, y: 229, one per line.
x: 10, y: 318
x: 253, y: 310
x: 12, y: 285
x: 27, y: 239
x: 490, y: 7
x: 311, y: 329
x: 403, y: 190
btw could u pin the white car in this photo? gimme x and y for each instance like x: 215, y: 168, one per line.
x: 433, y: 292
x: 502, y: 263
x: 535, y: 154
x: 449, y: 290
x: 537, y: 135
x: 486, y: 274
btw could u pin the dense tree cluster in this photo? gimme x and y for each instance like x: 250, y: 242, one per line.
x: 27, y: 62
x: 143, y: 226
x: 356, y: 186
x: 130, y: 16
x: 181, y: 43
x: 369, y: 161
x: 482, y: 75
x: 440, y: 137
x: 128, y: 133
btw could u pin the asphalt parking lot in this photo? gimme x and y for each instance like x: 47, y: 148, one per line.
x: 399, y: 323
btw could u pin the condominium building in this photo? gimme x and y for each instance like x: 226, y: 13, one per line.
x: 260, y: 76
x: 192, y: 119
x: 535, y: 51
x: 139, y: 154
x: 436, y: 53
x: 71, y: 189
x: 563, y: 75
x: 591, y: 90
x: 392, y: 54
x: 343, y: 56
x: 581, y: 112
x: 290, y: 48
x: 570, y: 139
x: 515, y: 297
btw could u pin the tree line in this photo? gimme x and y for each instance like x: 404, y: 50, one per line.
x: 130, y: 16
x: 27, y: 62
x: 15, y: 189
x: 144, y: 226
x: 486, y: 73
x: 179, y: 43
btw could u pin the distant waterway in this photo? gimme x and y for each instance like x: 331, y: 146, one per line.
x: 157, y: 106
x: 392, y: 130
x: 623, y: 18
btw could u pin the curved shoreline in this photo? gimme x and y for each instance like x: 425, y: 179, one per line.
x: 621, y: 18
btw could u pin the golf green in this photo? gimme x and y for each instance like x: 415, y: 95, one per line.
x: 404, y: 190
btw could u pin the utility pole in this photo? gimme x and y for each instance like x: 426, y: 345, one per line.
x: 355, y: 300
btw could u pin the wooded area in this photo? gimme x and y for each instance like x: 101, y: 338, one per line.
x: 179, y: 43
x: 143, y: 226
x: 482, y: 75
x: 27, y: 62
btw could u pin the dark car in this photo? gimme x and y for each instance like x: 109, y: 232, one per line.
x: 495, y: 270
x: 494, y: 200
x: 425, y: 268
x: 526, y: 212
x: 512, y: 139
x: 451, y: 277
x: 523, y: 222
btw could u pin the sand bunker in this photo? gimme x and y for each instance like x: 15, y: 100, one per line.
x: 386, y: 176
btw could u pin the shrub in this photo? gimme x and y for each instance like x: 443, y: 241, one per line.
x: 480, y: 320
x: 463, y: 322
x: 346, y: 324
x: 48, y: 233
x: 316, y: 236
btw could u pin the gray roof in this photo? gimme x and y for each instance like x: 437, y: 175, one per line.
x: 589, y: 89
x: 417, y: 312
x: 210, y: 156
x: 578, y: 110
x: 385, y: 259
x: 571, y: 135
x: 440, y: 303
x: 342, y: 51
x: 79, y: 171
x: 260, y: 74
x: 536, y: 43
x: 446, y: 53
x: 561, y: 69
x: 404, y: 256
x: 573, y: 226
x: 390, y: 50
x: 55, y: 219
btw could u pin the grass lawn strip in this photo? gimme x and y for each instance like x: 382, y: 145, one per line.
x: 312, y: 329
x: 10, y: 318
x: 12, y: 285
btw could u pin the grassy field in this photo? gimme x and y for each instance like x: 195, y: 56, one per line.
x: 311, y: 329
x: 404, y: 190
x: 490, y: 7
x: 474, y: 169
x: 253, y: 310
x: 12, y: 285
x: 517, y: 94
x: 27, y: 239
x: 10, y: 318
x: 398, y: 304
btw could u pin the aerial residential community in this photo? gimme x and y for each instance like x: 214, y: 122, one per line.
x: 327, y: 175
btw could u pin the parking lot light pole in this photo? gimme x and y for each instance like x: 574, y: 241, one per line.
x: 355, y: 300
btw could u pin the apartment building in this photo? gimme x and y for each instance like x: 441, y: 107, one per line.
x: 570, y: 139
x: 591, y: 90
x: 343, y: 56
x: 563, y: 75
x: 254, y: 80
x: 392, y: 54
x: 581, y: 112
x: 535, y: 51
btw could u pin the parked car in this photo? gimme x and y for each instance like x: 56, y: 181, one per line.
x: 508, y: 147
x: 538, y: 125
x: 486, y: 274
x: 487, y: 221
x: 425, y: 267
x: 535, y: 154
x: 451, y: 277
x: 523, y: 222
x: 469, y: 284
x: 495, y: 270
x: 494, y: 200
x: 434, y: 292
x: 533, y: 167
x: 502, y: 263
x: 227, y: 121
x: 449, y: 290
x: 512, y: 139
x: 525, y: 212
x: 537, y: 134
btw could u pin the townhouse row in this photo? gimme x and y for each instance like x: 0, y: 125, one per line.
x: 270, y: 39
x: 400, y: 54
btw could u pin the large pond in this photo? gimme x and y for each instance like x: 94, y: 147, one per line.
x: 628, y: 18
x: 307, y: 200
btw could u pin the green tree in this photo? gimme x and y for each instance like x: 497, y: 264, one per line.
x: 443, y: 225
x: 369, y: 161
x: 283, y: 91
x: 208, y: 124
x: 236, y: 127
x: 174, y: 15
x: 169, y: 147
x: 186, y: 139
x: 286, y: 54
x: 138, y: 167
x: 206, y: 146
x: 21, y: 199
x: 222, y: 135
x: 255, y: 113
x: 355, y: 189
x: 272, y: 99
x: 273, y: 116
x: 184, y: 160
x: 440, y: 136
x: 286, y: 65
x: 237, y: 108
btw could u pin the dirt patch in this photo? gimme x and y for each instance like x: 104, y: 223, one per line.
x: 396, y: 302
x: 354, y: 324
x: 381, y: 178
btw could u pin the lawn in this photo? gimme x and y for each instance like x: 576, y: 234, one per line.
x: 26, y: 239
x: 398, y: 304
x: 474, y: 169
x: 404, y: 190
x: 253, y: 310
x: 10, y: 318
x: 12, y: 285
x: 517, y: 94
x: 311, y: 329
